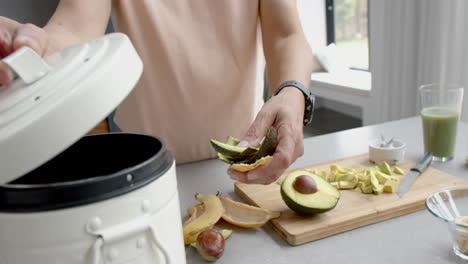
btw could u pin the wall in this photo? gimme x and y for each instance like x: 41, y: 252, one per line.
x: 312, y: 15
x: 30, y: 11
x: 413, y: 43
x: 443, y: 53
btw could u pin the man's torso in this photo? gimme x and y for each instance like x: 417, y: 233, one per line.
x: 203, y: 71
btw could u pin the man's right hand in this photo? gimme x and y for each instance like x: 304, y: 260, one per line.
x: 14, y: 35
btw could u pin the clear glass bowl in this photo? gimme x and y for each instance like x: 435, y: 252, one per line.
x: 451, y: 206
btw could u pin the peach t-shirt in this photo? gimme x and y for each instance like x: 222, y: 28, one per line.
x: 203, y: 71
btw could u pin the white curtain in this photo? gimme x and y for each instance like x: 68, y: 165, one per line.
x: 413, y: 42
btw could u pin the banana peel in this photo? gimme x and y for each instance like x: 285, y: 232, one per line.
x: 240, y: 214
x: 194, y: 211
x: 244, y: 215
x: 213, y: 210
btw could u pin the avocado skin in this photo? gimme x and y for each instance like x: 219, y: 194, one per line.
x: 233, y: 153
x: 267, y: 147
x: 302, y: 210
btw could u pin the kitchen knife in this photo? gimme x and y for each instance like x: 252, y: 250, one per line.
x: 414, y: 173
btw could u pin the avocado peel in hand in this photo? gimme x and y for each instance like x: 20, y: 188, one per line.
x: 245, y: 159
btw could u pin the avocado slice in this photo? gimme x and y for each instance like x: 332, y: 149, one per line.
x: 324, y: 175
x: 226, y: 149
x: 365, y: 188
x: 232, y: 141
x: 382, y: 177
x: 321, y: 201
x: 399, y: 171
x: 385, y: 168
x: 378, y: 189
x: 225, y: 159
x: 347, y: 184
x: 390, y: 186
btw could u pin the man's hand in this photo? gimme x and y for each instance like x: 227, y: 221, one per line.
x: 285, y: 112
x: 288, y: 57
x: 73, y: 22
x: 13, y: 36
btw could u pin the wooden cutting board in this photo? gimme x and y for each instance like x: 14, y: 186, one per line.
x: 353, y: 210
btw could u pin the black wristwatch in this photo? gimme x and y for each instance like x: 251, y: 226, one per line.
x: 309, y: 99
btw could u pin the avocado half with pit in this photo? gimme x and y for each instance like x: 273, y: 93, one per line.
x: 308, y: 194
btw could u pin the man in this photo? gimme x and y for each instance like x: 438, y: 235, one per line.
x: 203, y: 70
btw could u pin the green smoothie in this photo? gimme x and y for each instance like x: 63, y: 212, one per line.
x: 440, y: 130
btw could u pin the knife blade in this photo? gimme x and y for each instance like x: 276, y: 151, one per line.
x: 414, y: 173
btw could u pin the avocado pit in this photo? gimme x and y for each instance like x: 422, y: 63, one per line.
x: 305, y: 184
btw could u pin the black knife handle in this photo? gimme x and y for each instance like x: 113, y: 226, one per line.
x: 423, y: 163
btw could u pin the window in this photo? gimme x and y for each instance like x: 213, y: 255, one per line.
x: 347, y: 27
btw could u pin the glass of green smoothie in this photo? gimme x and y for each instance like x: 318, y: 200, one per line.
x: 440, y: 112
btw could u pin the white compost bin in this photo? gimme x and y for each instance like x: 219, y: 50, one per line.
x: 69, y: 199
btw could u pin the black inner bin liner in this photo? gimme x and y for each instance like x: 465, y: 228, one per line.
x: 94, y: 156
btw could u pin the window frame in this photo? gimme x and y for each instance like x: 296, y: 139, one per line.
x: 330, y: 28
x: 330, y: 20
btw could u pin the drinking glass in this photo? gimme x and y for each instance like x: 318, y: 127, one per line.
x: 440, y: 112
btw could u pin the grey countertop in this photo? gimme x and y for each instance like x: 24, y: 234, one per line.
x: 413, y: 238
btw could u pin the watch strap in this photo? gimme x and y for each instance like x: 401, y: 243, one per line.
x: 309, y: 98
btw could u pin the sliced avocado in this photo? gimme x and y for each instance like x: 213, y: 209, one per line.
x: 224, y: 158
x: 364, y: 176
x: 382, y: 177
x: 321, y: 201
x: 390, y: 186
x: 373, y: 168
x: 345, y: 185
x: 232, y: 141
x: 345, y: 177
x: 334, y: 168
x: 373, y: 180
x: 365, y: 188
x: 324, y: 175
x: 378, y: 189
x: 399, y: 171
x: 226, y: 149
x: 349, y: 182
x: 233, y: 153
x: 385, y: 168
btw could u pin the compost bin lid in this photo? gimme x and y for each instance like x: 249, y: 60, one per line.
x: 54, y: 101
